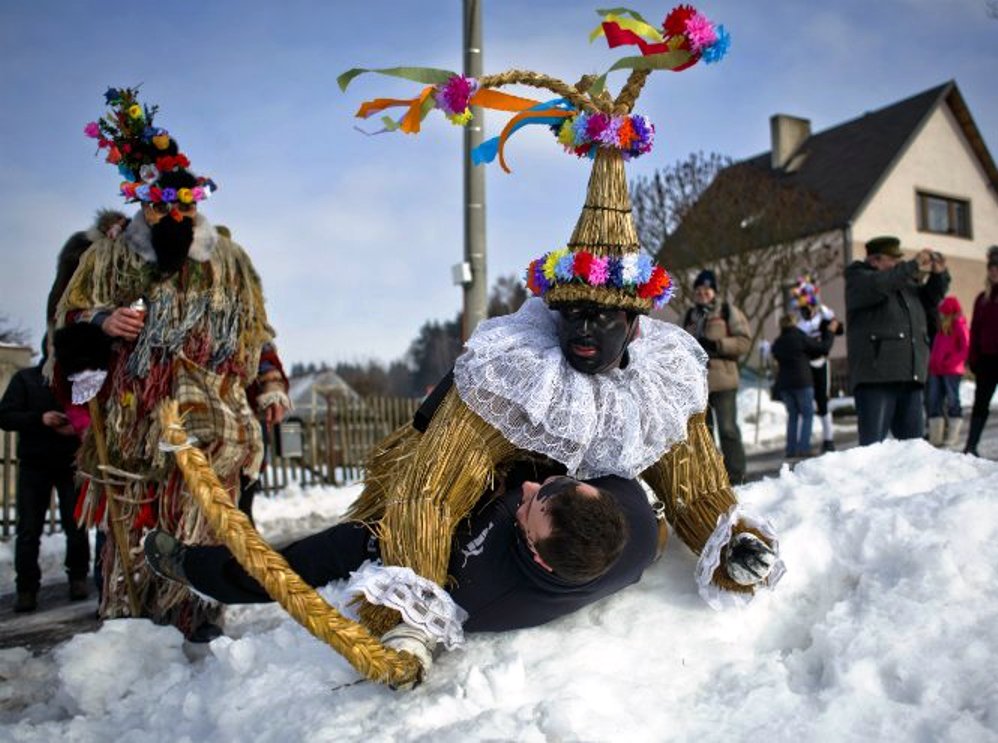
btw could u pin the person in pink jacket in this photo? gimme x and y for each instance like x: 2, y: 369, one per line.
x: 947, y: 362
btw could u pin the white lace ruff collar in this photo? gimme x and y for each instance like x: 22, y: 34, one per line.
x: 514, y: 376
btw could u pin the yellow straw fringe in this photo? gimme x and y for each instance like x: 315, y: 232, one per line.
x: 692, y: 483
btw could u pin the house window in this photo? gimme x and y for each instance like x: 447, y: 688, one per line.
x: 943, y: 215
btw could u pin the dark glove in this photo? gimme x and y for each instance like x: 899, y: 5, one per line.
x: 711, y: 347
x: 748, y: 559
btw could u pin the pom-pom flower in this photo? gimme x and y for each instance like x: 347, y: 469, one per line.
x: 135, y: 111
x: 716, y: 51
x: 92, y: 130
x: 632, y: 273
x: 453, y: 98
x: 583, y: 133
x: 169, y: 194
x: 675, y: 22
x: 184, y: 196
x: 700, y: 32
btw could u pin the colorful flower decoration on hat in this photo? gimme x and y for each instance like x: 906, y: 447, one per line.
x: 133, y: 144
x: 805, y: 292
x: 632, y: 273
x: 582, y: 125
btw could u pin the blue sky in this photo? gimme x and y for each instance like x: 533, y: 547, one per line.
x: 355, y: 236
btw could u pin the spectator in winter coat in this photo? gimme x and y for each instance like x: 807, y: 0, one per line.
x: 946, y: 366
x: 723, y: 332
x: 887, y: 336
x: 983, y: 357
x: 794, y: 350
x: 46, y: 448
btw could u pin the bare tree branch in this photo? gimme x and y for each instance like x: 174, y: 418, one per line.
x: 758, y: 233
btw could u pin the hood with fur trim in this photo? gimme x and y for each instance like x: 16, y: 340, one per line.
x: 138, y: 237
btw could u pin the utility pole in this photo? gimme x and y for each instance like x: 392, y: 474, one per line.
x: 471, y: 273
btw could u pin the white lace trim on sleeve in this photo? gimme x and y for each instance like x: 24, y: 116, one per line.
x: 710, y: 558
x: 421, y: 602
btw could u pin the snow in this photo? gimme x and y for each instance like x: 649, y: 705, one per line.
x: 882, y: 629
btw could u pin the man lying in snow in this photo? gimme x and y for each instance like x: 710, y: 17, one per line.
x: 531, y: 554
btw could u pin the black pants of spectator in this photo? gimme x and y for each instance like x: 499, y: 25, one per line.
x: 34, y: 492
x: 986, y: 378
x: 820, y: 376
x: 328, y: 555
x: 724, y: 413
x: 891, y: 407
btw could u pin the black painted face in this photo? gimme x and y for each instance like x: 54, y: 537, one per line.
x: 593, y: 338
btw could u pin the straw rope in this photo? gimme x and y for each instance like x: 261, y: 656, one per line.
x: 630, y: 92
x: 691, y: 482
x: 361, y: 649
x: 540, y: 80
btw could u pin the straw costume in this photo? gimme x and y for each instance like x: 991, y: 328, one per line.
x: 514, y: 396
x: 205, y: 339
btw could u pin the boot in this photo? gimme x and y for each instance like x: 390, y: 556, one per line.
x: 952, y: 440
x: 974, y: 435
x: 936, y: 426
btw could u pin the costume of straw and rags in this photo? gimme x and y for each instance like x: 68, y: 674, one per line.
x: 517, y: 397
x: 205, y: 339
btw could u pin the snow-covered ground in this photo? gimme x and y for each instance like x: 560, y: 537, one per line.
x: 885, y: 627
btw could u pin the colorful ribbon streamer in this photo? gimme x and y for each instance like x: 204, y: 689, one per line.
x: 550, y: 113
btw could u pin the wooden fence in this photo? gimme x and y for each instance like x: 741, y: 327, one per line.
x: 324, y: 447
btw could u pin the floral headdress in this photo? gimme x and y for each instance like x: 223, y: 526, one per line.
x: 806, y: 292
x: 602, y: 262
x: 141, y: 151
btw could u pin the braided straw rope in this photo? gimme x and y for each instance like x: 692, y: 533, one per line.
x: 361, y: 649
x: 540, y: 80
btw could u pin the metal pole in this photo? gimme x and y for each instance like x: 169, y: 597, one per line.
x: 475, y: 291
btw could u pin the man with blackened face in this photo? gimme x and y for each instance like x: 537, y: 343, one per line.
x: 594, y: 338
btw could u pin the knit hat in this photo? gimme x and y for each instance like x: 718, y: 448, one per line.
x: 993, y: 255
x: 706, y: 278
x: 602, y: 261
x: 885, y: 245
x: 144, y: 153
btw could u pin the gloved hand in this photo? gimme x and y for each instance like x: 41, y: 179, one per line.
x: 710, y: 346
x: 748, y: 559
x: 413, y: 640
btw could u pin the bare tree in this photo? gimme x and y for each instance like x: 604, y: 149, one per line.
x: 992, y: 6
x: 757, y: 232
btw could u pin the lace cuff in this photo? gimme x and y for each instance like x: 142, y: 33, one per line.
x: 710, y: 558
x: 86, y: 384
x: 421, y: 602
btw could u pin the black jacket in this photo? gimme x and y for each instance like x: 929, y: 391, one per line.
x: 501, y: 587
x: 794, y: 349
x: 26, y: 399
x: 886, y: 326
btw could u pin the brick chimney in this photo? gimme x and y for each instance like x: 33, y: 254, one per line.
x: 787, y: 134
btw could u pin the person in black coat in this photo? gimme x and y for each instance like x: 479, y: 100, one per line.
x: 46, y: 449
x: 887, y: 302
x: 794, y: 350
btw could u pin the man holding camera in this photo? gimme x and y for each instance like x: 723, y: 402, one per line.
x: 888, y: 300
